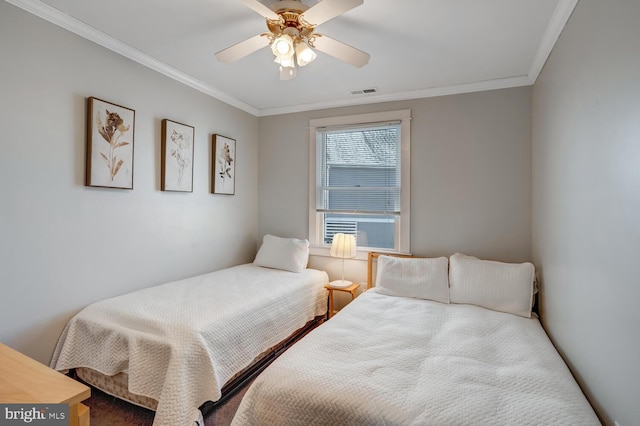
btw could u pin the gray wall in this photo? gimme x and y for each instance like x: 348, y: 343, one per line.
x: 64, y: 245
x: 586, y: 202
x: 470, y: 175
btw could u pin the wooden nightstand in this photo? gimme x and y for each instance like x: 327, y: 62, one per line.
x: 352, y: 289
x: 26, y: 381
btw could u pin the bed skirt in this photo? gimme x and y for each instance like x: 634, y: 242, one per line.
x: 118, y: 385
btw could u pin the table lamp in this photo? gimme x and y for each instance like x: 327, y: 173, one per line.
x: 344, y: 247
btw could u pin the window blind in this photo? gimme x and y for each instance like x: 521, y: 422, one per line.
x: 358, y: 180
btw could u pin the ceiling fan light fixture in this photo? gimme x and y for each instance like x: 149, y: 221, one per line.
x: 283, y: 46
x: 287, y: 73
x: 291, y: 28
x: 285, y: 62
x: 304, y: 54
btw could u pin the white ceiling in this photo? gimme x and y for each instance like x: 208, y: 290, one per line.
x: 419, y: 48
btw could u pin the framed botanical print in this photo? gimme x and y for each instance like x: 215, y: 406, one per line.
x: 223, y: 169
x: 177, y: 157
x: 110, y: 131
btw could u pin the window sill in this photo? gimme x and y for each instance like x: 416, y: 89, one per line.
x: 361, y: 253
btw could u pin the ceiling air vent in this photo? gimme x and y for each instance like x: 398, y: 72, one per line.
x: 369, y: 91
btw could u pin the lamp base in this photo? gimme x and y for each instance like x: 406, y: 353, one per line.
x: 340, y: 283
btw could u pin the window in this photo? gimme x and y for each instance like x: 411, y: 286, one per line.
x: 359, y: 181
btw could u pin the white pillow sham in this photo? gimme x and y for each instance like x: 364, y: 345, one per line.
x: 422, y: 278
x: 504, y: 287
x: 288, y: 254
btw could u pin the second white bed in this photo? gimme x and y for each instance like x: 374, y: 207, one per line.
x: 181, y: 342
x: 388, y: 360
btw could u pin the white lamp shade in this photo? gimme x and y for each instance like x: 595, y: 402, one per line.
x: 343, y: 246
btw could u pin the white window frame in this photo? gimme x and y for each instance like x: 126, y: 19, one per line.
x: 403, y: 227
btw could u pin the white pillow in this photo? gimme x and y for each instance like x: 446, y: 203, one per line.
x: 422, y: 278
x: 504, y: 287
x: 289, y: 254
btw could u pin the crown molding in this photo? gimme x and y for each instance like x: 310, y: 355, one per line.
x: 502, y: 83
x: 556, y: 24
x: 558, y: 20
x: 75, y: 26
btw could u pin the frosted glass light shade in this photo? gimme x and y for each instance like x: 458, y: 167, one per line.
x: 282, y: 47
x: 304, y: 54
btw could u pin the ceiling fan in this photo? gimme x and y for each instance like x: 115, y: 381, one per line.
x: 292, y: 35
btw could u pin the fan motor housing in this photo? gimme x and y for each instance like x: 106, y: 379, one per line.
x: 290, y: 11
x: 289, y: 5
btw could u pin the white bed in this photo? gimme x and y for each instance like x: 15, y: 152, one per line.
x: 395, y: 360
x: 180, y: 342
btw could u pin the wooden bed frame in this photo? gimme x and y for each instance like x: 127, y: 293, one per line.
x: 372, y: 257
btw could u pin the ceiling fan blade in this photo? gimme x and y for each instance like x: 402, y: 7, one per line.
x: 242, y: 49
x: 328, y: 9
x: 341, y: 51
x: 261, y: 9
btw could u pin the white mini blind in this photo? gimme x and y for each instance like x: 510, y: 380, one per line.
x: 358, y: 170
x: 358, y: 179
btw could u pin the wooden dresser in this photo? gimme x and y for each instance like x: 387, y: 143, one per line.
x: 26, y: 381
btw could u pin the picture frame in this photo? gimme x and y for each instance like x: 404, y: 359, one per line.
x: 177, y: 156
x: 110, y: 140
x: 223, y: 165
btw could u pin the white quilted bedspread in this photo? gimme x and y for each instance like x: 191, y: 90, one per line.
x: 180, y: 342
x: 386, y: 360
